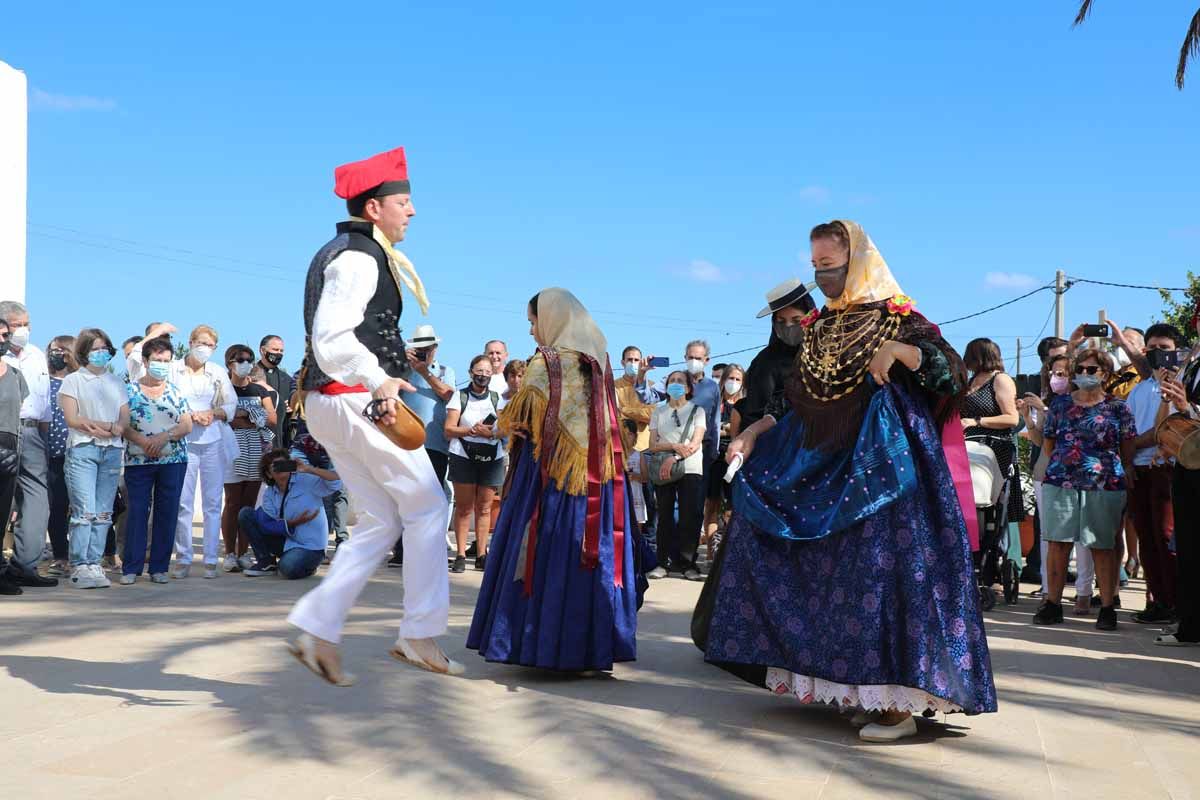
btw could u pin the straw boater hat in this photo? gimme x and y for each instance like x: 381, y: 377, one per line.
x: 788, y: 293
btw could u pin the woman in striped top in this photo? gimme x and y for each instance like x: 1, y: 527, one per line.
x: 252, y: 424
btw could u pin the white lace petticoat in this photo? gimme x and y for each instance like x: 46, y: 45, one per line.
x: 881, y: 697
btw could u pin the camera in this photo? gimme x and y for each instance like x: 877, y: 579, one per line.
x: 1100, y: 330
x: 1165, y: 359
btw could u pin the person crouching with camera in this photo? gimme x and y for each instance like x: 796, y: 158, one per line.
x: 288, y: 530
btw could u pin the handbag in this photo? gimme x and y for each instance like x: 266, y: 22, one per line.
x: 656, y: 460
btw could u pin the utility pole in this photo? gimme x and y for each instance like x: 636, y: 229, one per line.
x: 1060, y: 289
x: 1018, y: 356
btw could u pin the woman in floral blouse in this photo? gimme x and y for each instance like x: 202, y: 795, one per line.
x: 1091, y: 446
x: 155, y: 462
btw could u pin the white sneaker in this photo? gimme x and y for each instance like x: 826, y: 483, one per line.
x: 657, y: 573
x: 158, y: 577
x: 246, y: 561
x: 182, y: 568
x: 82, y: 577
x: 230, y: 565
x: 102, y: 581
x: 210, y: 571
x: 128, y: 580
x: 876, y: 732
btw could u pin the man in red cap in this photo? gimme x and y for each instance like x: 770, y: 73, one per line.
x: 352, y: 304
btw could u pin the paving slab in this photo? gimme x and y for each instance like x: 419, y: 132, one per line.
x: 184, y: 691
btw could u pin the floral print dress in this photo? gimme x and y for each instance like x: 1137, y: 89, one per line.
x: 1087, y: 445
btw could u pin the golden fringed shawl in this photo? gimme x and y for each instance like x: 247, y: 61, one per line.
x: 525, y: 413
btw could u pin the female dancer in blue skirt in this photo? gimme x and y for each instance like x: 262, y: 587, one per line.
x: 559, y: 589
x: 846, y: 576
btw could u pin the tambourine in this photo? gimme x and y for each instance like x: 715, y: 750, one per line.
x: 407, y: 432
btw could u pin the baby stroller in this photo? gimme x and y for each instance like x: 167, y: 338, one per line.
x: 992, y: 488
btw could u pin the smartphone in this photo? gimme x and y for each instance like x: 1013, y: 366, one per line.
x: 284, y: 465
x: 659, y: 361
x: 489, y: 420
x: 1096, y: 330
x: 1165, y: 359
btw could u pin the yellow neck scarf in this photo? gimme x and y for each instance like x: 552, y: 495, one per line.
x: 403, y: 271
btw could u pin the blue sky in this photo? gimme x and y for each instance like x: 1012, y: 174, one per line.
x: 665, y: 164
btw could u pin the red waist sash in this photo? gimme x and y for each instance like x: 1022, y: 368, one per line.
x: 333, y: 387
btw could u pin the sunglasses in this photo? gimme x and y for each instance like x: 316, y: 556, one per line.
x: 1089, y: 370
x: 243, y: 361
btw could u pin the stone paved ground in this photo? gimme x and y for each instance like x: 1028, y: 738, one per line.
x: 184, y: 691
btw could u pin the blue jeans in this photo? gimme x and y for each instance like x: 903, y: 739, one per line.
x: 92, y: 476
x: 163, y: 483
x: 268, y: 548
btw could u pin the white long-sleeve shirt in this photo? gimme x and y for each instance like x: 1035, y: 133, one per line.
x: 200, y: 389
x: 350, y: 282
x: 32, y: 364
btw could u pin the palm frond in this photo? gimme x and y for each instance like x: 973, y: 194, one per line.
x: 1191, y: 47
x: 1085, y: 8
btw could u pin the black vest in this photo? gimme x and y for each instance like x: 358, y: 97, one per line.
x: 380, y: 328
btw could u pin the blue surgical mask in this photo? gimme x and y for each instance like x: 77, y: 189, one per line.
x: 631, y: 370
x: 99, y: 358
x: 160, y: 370
x: 676, y: 390
x: 1086, y: 383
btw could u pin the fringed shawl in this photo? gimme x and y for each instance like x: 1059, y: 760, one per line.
x: 524, y: 415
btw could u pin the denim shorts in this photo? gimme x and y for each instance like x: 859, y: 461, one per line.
x: 477, y: 473
x: 1090, y: 517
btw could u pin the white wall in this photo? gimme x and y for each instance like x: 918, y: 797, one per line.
x: 13, y: 150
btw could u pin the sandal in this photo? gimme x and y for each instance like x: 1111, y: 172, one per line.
x: 403, y: 651
x: 1132, y: 568
x: 304, y: 649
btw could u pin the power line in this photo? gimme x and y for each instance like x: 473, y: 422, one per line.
x: 1129, y: 285
x: 127, y: 246
x: 1001, y: 305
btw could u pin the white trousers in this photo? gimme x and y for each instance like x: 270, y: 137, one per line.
x: 1085, y: 569
x: 206, y: 465
x: 394, y: 491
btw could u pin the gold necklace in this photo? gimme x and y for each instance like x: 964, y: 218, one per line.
x: 837, y: 351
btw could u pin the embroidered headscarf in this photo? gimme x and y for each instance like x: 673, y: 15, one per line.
x: 563, y: 323
x: 868, y: 280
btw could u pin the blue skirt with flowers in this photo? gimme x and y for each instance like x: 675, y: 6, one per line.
x: 867, y: 603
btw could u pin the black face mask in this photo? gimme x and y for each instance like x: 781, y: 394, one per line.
x: 789, y: 334
x: 274, y: 358
x: 57, y: 362
x: 481, y: 381
x: 832, y: 282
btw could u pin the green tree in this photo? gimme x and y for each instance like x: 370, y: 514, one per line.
x: 1179, y: 313
x: 1191, y: 40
